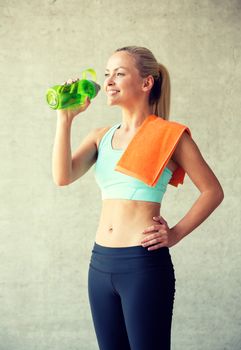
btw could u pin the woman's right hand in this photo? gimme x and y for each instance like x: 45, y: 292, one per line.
x: 70, y: 113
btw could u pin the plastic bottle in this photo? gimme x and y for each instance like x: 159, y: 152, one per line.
x: 73, y: 95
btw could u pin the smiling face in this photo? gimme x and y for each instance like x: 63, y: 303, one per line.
x: 123, y: 83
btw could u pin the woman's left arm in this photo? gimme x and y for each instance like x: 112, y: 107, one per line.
x: 189, y: 157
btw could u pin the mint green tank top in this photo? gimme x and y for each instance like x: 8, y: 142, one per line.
x: 116, y: 185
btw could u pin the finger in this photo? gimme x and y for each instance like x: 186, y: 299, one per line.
x: 156, y: 246
x: 160, y: 219
x: 151, y: 228
x: 157, y: 239
x: 149, y: 238
x: 151, y: 242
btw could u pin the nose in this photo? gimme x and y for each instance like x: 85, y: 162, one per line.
x: 110, y: 80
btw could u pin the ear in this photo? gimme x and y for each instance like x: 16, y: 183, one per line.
x: 148, y: 83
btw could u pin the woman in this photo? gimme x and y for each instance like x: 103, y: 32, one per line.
x: 131, y: 281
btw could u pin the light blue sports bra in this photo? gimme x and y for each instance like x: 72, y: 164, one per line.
x: 116, y: 185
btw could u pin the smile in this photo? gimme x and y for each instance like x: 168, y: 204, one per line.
x: 112, y: 92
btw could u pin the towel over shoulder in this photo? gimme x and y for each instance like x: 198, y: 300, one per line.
x: 150, y: 150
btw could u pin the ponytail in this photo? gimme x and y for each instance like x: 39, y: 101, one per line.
x: 161, y: 93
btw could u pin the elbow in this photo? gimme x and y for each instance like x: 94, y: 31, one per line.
x: 215, y: 194
x: 60, y: 179
x: 219, y: 195
x: 220, y: 192
x: 59, y: 182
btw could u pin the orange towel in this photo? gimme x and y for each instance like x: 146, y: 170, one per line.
x: 150, y: 150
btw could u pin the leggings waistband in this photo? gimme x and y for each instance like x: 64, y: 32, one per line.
x: 128, y: 259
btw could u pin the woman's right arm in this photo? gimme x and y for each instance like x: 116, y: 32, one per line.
x: 62, y: 158
x: 65, y: 168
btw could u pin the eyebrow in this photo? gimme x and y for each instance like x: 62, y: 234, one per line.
x: 118, y: 68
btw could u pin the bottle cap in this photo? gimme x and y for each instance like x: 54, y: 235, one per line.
x: 91, y: 71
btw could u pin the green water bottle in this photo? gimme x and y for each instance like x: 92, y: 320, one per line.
x: 73, y: 95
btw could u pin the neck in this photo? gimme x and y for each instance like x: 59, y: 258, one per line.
x: 133, y: 118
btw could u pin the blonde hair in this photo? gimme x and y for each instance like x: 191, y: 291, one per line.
x: 147, y: 64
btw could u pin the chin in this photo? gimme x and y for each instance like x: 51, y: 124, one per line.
x: 111, y: 103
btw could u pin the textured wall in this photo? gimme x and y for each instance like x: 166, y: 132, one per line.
x: 47, y: 232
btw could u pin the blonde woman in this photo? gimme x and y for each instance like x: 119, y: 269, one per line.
x: 131, y: 279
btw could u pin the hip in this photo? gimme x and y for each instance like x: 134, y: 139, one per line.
x: 130, y: 259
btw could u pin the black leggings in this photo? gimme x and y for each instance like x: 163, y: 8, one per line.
x: 131, y: 293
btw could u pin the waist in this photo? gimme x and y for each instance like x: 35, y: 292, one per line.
x: 128, y: 259
x: 122, y: 222
x: 123, y: 213
x: 126, y: 206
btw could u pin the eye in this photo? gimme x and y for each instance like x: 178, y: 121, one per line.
x: 106, y: 74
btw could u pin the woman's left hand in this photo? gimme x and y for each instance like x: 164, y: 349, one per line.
x: 163, y: 236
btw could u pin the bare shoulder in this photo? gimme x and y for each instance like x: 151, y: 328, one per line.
x: 99, y: 133
x: 188, y: 155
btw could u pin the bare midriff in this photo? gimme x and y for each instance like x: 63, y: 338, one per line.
x: 122, y: 221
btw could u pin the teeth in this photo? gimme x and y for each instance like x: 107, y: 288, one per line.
x: 112, y: 92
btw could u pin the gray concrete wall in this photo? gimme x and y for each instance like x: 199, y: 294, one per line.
x: 47, y: 232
